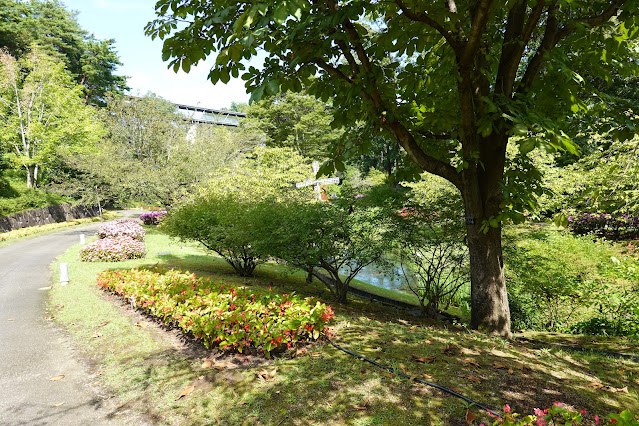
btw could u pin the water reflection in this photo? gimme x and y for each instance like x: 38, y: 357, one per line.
x: 387, y: 278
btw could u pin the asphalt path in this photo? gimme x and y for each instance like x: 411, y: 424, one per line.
x: 33, y: 350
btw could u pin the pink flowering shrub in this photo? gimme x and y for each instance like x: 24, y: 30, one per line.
x: 219, y: 314
x: 122, y: 227
x: 152, y: 218
x: 112, y: 250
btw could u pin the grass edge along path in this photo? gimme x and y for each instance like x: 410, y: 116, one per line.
x: 171, y: 383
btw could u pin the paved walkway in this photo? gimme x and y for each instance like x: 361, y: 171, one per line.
x: 32, y: 350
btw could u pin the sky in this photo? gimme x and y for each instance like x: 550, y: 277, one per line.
x: 124, y: 21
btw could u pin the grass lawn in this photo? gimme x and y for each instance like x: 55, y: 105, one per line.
x: 148, y: 367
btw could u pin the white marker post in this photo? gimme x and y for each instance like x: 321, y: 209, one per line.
x: 82, y: 239
x: 64, y: 273
x: 317, y: 182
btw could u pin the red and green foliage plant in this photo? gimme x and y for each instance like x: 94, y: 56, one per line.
x: 233, y: 318
x: 558, y: 415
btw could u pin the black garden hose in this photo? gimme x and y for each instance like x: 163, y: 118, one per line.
x: 417, y: 379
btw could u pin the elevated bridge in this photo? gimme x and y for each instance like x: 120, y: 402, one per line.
x: 201, y: 115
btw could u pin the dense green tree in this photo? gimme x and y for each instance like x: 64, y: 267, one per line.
x: 41, y: 111
x: 295, y: 120
x: 451, y: 82
x: 150, y: 154
x: 99, y: 64
x: 146, y: 127
x: 222, y: 224
x: 49, y: 24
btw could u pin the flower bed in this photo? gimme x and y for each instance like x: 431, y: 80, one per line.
x: 558, y: 415
x: 152, y: 218
x: 122, y: 227
x: 237, y: 319
x: 623, y: 227
x: 112, y: 250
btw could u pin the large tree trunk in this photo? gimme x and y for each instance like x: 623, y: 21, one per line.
x: 489, y: 299
x: 482, y: 196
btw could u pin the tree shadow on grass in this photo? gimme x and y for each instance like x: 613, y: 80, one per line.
x: 327, y: 386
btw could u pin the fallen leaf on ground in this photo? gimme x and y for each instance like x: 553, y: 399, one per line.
x: 595, y: 385
x: 58, y: 404
x: 520, y: 367
x: 56, y: 378
x: 266, y: 375
x: 187, y: 391
x: 450, y: 349
x: 511, y: 371
x: 141, y: 325
x: 428, y: 342
x: 474, y: 379
x: 206, y: 364
x: 613, y: 389
x: 425, y: 359
x: 429, y: 378
x: 220, y: 365
x: 470, y: 417
x: 471, y: 361
x: 316, y: 354
x: 498, y: 364
x: 363, y: 406
x: 102, y: 324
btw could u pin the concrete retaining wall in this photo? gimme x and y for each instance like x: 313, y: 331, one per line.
x: 45, y: 215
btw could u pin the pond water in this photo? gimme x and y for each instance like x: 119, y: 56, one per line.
x: 382, y: 277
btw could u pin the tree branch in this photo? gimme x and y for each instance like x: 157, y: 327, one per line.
x: 548, y: 42
x: 332, y: 70
x: 594, y: 20
x: 508, y: 61
x: 554, y: 34
x: 440, y: 137
x: 423, y: 17
x: 423, y: 160
x: 476, y: 31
